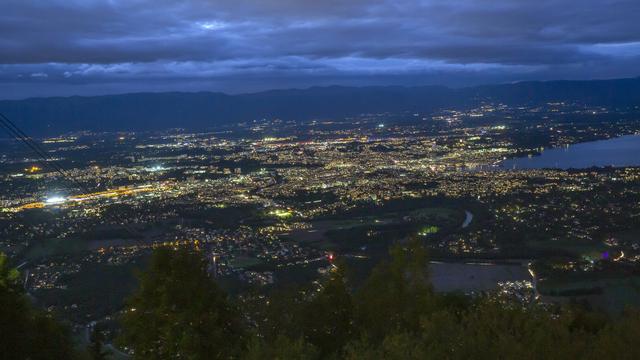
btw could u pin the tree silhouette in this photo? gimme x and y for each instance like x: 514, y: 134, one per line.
x: 179, y: 312
x: 26, y: 333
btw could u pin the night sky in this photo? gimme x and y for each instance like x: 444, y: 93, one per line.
x: 87, y: 47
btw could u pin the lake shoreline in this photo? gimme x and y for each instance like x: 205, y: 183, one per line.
x: 615, y: 152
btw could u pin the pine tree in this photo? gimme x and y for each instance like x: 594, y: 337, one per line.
x: 27, y: 333
x: 178, y: 311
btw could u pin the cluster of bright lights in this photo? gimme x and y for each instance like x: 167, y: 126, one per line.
x: 53, y: 200
x: 281, y: 213
x: 156, y: 168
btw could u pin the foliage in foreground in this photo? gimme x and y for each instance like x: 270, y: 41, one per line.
x: 181, y: 313
x: 26, y: 333
x: 178, y: 311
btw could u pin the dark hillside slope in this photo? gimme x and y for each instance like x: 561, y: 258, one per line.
x: 157, y: 111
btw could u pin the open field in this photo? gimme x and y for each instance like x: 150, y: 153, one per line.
x: 366, y: 231
x: 568, y: 247
x: 53, y: 247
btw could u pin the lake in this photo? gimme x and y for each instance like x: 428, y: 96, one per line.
x: 618, y: 152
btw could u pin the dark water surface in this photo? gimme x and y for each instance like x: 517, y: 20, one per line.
x: 618, y: 152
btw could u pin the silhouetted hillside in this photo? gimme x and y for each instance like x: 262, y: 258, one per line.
x: 155, y: 111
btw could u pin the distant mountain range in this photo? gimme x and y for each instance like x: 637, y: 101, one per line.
x: 157, y: 111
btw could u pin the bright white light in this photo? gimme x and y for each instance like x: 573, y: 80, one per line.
x: 55, y: 200
x: 381, y: 125
x: 156, y: 168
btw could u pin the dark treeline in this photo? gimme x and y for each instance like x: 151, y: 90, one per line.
x: 27, y: 333
x: 179, y: 311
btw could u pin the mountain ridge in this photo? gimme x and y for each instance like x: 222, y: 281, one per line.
x: 203, y: 109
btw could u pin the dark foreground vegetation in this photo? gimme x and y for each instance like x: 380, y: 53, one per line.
x: 179, y: 312
x: 26, y: 333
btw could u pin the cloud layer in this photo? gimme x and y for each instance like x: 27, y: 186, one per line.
x: 99, y: 46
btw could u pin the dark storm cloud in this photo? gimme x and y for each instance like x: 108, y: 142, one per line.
x: 80, y: 42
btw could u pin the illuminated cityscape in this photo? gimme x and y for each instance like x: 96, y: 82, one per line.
x: 270, y: 198
x: 276, y: 179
